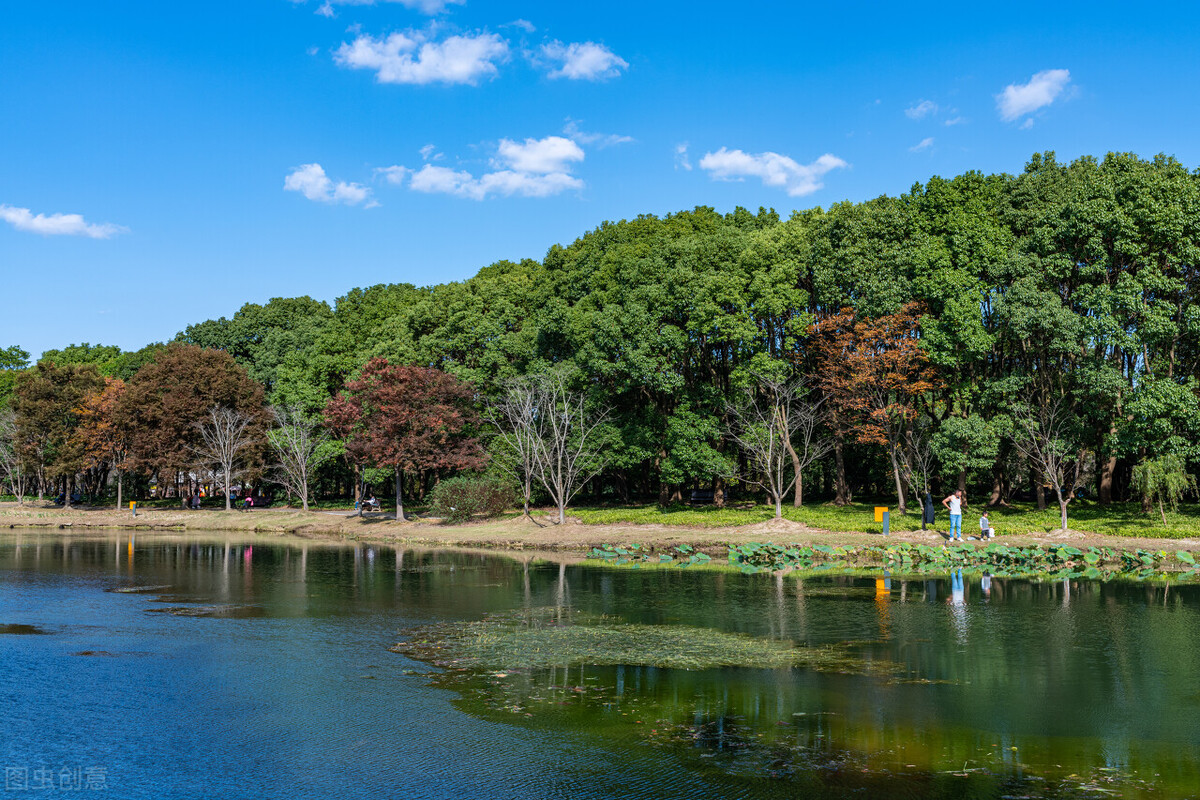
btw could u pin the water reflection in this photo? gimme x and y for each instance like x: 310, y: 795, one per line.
x: 1024, y: 678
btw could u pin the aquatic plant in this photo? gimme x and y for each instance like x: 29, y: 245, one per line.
x: 1062, y: 561
x: 545, y: 638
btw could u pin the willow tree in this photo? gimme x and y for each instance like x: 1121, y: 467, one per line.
x: 1163, y: 478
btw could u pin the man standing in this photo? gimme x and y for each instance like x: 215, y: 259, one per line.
x: 955, y: 502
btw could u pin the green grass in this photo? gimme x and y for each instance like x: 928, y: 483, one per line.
x: 1117, y: 519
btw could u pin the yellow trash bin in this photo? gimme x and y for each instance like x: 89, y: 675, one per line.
x: 879, y: 512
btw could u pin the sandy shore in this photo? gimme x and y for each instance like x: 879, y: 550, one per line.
x: 507, y: 534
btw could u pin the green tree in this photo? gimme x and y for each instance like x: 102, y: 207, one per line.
x: 1163, y: 478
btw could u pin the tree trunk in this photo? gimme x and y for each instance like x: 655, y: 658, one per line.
x: 799, y: 490
x: 120, y: 477
x: 997, y: 490
x: 903, y: 508
x: 841, y: 486
x: 795, y: 468
x: 1038, y: 490
x: 1161, y: 512
x: 562, y: 512
x: 1107, y: 469
x: 962, y: 481
x: 399, y: 499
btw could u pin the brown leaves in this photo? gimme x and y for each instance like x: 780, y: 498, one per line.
x: 873, y: 372
x: 410, y: 418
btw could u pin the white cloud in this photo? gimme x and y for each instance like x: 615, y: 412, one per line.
x: 460, y: 183
x: 774, y: 169
x: 542, y: 156
x: 955, y: 121
x: 1017, y: 100
x: 429, y: 153
x: 524, y: 25
x: 681, y: 157
x: 429, y: 7
x: 412, y: 58
x: 57, y: 224
x: 921, y: 110
x: 532, y: 168
x: 1027, y: 124
x: 924, y: 144
x: 311, y: 181
x: 394, y: 175
x: 601, y: 140
x: 586, y: 61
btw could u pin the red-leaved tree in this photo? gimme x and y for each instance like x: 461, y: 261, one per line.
x: 875, y: 375
x: 102, y: 435
x: 411, y: 419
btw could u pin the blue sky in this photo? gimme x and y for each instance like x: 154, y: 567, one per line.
x: 164, y: 163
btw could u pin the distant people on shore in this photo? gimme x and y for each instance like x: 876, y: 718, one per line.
x: 955, y: 503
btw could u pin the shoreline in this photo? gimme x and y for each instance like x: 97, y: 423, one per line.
x: 516, y: 533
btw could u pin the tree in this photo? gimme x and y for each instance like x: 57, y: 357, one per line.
x: 166, y: 398
x: 1047, y: 434
x: 1165, y: 477
x: 46, y: 401
x: 102, y: 435
x: 568, y: 449
x: 12, y: 360
x: 875, y: 373
x: 519, y: 428
x: 301, y: 447
x: 406, y: 418
x: 764, y: 425
x: 11, y: 462
x: 225, y: 435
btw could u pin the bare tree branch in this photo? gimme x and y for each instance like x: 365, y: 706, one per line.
x: 778, y: 428
x: 520, y: 429
x: 11, y: 462
x: 553, y: 434
x: 223, y: 436
x: 1046, y: 436
x: 301, y: 446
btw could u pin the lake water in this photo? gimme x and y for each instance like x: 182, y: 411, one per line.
x: 260, y: 668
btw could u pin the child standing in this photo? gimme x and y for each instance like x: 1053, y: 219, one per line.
x: 986, y: 531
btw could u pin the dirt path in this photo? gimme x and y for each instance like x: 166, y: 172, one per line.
x: 509, y: 534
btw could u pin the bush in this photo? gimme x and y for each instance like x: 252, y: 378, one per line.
x: 460, y: 498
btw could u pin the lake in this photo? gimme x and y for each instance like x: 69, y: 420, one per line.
x: 203, y: 665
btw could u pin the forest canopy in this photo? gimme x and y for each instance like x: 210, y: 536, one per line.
x: 1054, y: 309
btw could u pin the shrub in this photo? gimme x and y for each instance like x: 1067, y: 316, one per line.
x: 460, y: 498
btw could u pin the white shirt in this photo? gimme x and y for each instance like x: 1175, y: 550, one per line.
x: 955, y: 505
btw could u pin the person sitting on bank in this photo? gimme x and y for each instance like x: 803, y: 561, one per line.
x: 372, y: 503
x: 248, y: 502
x: 986, y: 531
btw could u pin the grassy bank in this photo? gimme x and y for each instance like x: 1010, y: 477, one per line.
x: 1121, y: 526
x: 1116, y: 519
